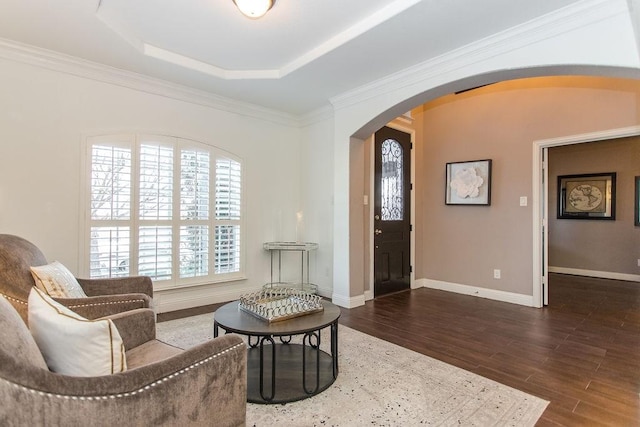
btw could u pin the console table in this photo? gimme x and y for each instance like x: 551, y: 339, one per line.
x: 283, y: 371
x: 275, y: 249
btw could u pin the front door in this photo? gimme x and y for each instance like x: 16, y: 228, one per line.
x: 392, y: 211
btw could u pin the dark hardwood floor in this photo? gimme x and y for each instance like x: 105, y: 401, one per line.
x: 582, y: 352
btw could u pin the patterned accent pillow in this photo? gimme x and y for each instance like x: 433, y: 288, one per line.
x: 57, y: 281
x: 71, y: 344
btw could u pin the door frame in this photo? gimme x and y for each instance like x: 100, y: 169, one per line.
x: 397, y: 124
x: 541, y: 197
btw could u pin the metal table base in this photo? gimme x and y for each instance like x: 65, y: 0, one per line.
x: 280, y: 371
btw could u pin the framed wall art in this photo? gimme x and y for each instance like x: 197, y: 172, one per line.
x: 468, y: 183
x: 587, y: 196
x: 636, y: 216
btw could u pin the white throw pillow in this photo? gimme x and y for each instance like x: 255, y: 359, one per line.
x: 57, y: 281
x: 71, y: 344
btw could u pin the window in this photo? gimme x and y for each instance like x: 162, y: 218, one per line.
x: 392, y: 194
x: 164, y: 207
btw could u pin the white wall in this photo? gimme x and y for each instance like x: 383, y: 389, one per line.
x: 317, y: 200
x: 43, y: 117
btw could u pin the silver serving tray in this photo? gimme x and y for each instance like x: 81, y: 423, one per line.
x: 276, y: 308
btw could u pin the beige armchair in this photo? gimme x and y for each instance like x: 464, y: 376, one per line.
x: 104, y: 296
x: 163, y: 385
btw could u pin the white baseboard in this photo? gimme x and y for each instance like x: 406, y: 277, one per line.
x: 476, y: 291
x: 348, y: 302
x: 592, y: 273
x: 368, y: 295
x: 179, y: 299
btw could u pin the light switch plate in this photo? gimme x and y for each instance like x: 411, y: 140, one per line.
x: 523, y: 201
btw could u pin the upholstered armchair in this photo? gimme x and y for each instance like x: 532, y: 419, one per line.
x: 162, y: 386
x: 104, y: 296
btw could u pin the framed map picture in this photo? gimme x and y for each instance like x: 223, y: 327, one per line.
x: 588, y: 196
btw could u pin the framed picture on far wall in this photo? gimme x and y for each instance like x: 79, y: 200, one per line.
x: 587, y: 196
x: 468, y: 183
x: 636, y: 217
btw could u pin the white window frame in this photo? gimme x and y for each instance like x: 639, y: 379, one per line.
x: 134, y: 141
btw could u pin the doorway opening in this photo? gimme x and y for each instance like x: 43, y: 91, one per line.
x: 541, y: 199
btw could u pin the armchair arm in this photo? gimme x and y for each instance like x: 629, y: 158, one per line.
x: 205, y: 385
x: 119, y: 285
x: 105, y: 305
x: 135, y: 327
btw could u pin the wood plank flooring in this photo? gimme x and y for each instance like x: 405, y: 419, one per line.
x: 582, y: 352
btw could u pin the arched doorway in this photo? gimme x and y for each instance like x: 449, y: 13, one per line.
x: 432, y: 94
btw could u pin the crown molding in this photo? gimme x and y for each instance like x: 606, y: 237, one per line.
x: 317, y: 115
x: 566, y: 19
x: 203, y: 67
x: 59, y: 62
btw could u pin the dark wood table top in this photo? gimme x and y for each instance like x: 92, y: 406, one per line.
x: 230, y: 318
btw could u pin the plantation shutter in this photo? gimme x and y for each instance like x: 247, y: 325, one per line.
x: 110, y: 201
x: 164, y: 207
x: 195, y: 175
x: 228, y: 208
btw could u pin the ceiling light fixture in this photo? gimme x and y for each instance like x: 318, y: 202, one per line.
x: 254, y: 9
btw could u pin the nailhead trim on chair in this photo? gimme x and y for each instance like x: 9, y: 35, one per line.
x: 80, y: 305
x: 105, y: 303
x: 14, y: 299
x: 128, y: 394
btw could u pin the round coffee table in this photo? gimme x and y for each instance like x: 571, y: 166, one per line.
x: 280, y: 372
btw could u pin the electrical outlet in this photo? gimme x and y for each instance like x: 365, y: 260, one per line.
x: 496, y: 274
x: 638, y: 262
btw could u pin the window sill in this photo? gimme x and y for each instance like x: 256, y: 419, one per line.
x: 168, y: 285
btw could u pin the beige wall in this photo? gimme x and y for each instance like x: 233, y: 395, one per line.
x: 600, y: 246
x: 464, y: 244
x: 419, y: 207
x: 357, y: 214
x: 368, y: 216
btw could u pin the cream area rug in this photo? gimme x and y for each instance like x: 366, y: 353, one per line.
x: 382, y: 384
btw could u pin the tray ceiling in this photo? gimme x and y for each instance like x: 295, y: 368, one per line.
x: 294, y: 59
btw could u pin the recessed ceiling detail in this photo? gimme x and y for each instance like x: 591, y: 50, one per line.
x: 190, y: 33
x: 303, y: 56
